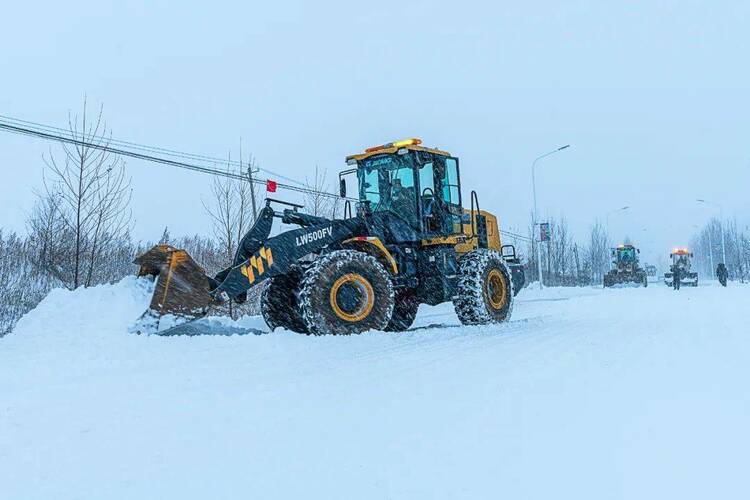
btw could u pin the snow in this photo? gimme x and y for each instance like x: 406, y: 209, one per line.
x: 585, y: 393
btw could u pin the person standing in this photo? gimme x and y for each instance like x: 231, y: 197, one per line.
x: 722, y: 273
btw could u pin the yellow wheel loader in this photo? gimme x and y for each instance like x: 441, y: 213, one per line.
x: 411, y: 241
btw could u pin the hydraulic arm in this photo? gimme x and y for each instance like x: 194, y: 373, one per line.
x: 183, y: 289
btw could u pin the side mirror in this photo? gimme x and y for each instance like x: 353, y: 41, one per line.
x: 638, y: 250
x: 342, y: 188
x: 508, y: 252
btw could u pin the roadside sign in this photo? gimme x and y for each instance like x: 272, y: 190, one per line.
x: 544, y: 231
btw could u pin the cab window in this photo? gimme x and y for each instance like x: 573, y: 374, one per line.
x: 451, y: 191
x: 371, y: 187
x: 430, y: 204
x: 451, y: 195
x: 427, y: 179
x: 388, y: 183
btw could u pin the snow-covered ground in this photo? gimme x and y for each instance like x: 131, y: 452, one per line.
x: 586, y: 393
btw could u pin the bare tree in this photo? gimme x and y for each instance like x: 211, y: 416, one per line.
x: 598, y: 252
x: 83, y: 210
x: 317, y: 201
x: 578, y: 276
x: 233, y: 212
x: 49, y: 236
x: 707, y: 247
x: 561, y: 249
x: 247, y: 195
x: 223, y: 211
x: 165, y: 236
x: 22, y: 284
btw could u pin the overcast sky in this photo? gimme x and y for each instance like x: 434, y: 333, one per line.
x: 652, y: 96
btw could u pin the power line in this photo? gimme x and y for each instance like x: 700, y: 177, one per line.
x: 515, y: 235
x: 105, y: 146
x: 84, y: 136
x: 81, y: 138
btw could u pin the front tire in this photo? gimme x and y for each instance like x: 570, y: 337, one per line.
x: 346, y: 292
x: 279, y: 303
x: 485, y: 289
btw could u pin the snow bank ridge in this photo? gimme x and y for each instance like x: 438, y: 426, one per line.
x: 88, y: 313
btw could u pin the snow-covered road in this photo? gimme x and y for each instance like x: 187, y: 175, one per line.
x: 586, y: 393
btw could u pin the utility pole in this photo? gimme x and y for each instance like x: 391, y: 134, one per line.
x: 536, y: 212
x: 252, y: 190
x: 250, y: 173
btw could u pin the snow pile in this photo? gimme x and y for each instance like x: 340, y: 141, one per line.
x: 86, y: 314
x: 585, y: 393
x: 106, y: 313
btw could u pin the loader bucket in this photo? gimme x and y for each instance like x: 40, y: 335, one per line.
x: 182, y: 287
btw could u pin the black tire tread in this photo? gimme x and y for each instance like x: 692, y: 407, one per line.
x: 316, y: 282
x: 279, y: 303
x: 469, y: 302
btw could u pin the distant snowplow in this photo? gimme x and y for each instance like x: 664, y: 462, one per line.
x: 410, y: 242
x: 626, y: 268
x: 681, y: 265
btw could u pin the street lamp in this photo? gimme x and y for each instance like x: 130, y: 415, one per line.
x: 536, y: 213
x: 721, y: 223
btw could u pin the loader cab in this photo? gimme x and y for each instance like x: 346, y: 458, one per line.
x: 625, y: 254
x: 420, y: 186
x: 681, y: 257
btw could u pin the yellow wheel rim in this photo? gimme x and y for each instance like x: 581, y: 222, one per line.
x: 352, y: 297
x: 497, y: 292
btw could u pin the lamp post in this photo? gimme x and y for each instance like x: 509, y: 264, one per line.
x: 536, y: 213
x: 721, y: 226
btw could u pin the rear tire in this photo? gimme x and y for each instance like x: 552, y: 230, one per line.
x: 279, y: 302
x: 346, y: 292
x: 485, y: 289
x: 405, y: 310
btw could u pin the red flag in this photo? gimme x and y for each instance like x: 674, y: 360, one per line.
x: 271, y: 186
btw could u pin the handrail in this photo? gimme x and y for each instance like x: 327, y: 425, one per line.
x: 474, y: 199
